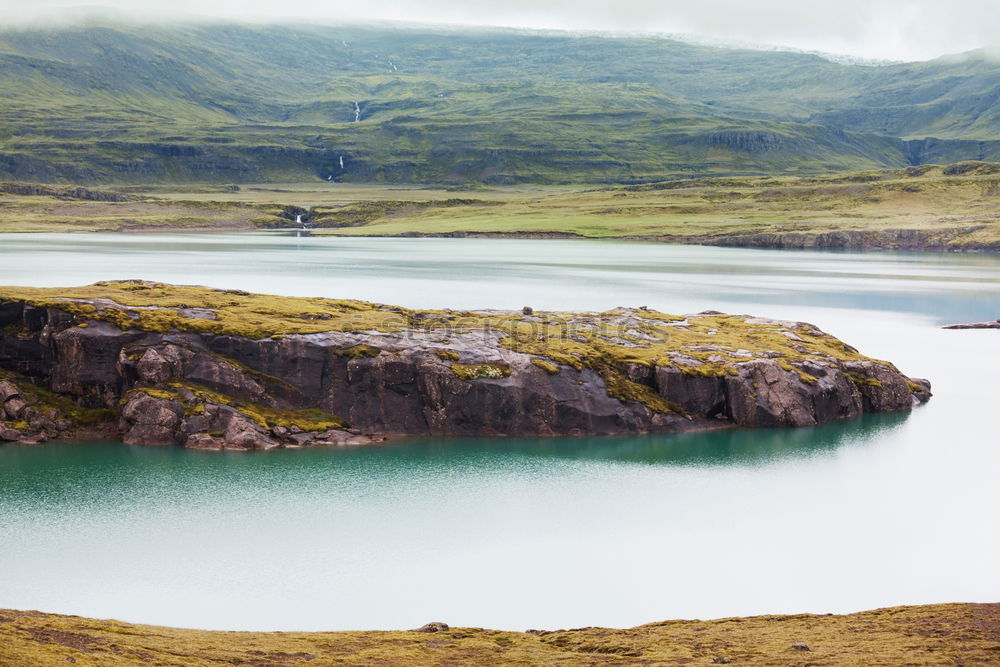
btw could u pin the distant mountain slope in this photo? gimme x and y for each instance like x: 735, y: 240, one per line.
x: 229, y: 102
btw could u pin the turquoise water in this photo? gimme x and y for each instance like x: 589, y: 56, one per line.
x: 518, y: 533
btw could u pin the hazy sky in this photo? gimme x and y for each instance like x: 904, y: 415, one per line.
x: 894, y: 29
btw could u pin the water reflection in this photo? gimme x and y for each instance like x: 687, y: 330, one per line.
x: 729, y: 447
x: 59, y: 471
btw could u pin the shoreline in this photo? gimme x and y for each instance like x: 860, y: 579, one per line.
x: 844, y: 240
x: 791, y: 241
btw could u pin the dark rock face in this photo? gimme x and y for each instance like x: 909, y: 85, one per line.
x: 229, y: 392
x: 939, y: 239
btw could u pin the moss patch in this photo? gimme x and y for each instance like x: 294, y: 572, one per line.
x: 480, y: 371
x: 547, y: 366
x: 312, y: 419
x: 861, y: 380
x: 56, y: 405
x: 358, y: 352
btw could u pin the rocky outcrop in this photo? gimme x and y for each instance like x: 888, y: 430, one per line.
x: 325, y: 378
x: 28, y: 415
x: 974, y: 325
x: 941, y: 239
x: 85, y: 194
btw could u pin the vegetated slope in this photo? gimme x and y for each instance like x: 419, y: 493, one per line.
x: 227, y: 102
x: 926, y: 635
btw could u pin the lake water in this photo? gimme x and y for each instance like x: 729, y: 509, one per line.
x: 520, y: 533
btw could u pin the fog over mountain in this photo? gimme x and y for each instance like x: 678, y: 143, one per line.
x: 887, y: 29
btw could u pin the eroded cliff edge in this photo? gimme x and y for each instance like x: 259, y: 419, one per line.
x: 225, y: 369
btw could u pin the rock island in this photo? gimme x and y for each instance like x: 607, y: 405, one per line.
x: 158, y: 364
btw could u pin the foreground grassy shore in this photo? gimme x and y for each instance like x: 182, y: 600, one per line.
x: 955, y: 207
x: 946, y: 634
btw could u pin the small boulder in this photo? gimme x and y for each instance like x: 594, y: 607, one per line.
x: 147, y: 420
x: 14, y: 407
x: 433, y: 627
x: 799, y: 646
x: 7, y: 390
x: 153, y: 367
x: 242, y: 433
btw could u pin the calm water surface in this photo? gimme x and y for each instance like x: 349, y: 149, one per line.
x: 885, y: 510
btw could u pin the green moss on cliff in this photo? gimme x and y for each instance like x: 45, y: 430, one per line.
x: 56, y: 405
x: 358, y: 352
x: 194, y: 396
x: 861, y: 380
x: 622, y: 388
x: 480, y: 371
x: 547, y: 366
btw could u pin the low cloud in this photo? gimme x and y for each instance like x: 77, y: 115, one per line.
x: 892, y: 29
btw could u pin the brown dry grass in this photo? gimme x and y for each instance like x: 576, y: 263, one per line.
x: 945, y: 634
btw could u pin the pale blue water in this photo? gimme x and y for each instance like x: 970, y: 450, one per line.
x: 886, y: 510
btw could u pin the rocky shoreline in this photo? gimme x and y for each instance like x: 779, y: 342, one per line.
x: 156, y: 364
x: 939, y: 240
x: 974, y: 325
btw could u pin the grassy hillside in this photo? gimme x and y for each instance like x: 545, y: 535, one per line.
x: 946, y: 634
x: 105, y: 102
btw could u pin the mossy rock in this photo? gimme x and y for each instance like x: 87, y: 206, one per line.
x: 547, y: 366
x: 194, y: 397
x: 493, y: 371
x: 708, y: 344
